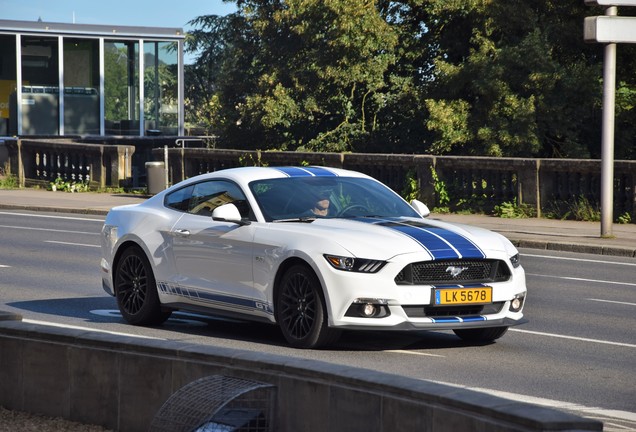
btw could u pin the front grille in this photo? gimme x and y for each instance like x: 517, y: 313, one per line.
x: 453, y: 271
x: 454, y: 311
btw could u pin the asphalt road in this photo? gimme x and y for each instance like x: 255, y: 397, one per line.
x: 577, y: 353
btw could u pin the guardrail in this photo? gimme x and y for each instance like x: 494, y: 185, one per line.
x: 476, y: 181
x: 121, y: 383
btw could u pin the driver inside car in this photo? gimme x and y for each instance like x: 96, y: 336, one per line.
x: 321, y: 207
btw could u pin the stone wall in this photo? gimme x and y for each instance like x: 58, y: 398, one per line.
x: 478, y: 181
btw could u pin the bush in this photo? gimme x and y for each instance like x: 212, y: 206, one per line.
x: 511, y: 210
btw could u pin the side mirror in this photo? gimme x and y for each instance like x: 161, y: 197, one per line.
x: 421, y: 208
x: 228, y: 213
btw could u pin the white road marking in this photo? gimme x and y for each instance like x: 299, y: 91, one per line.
x: 599, y: 281
x: 579, y: 259
x: 49, y: 230
x: 51, y: 216
x: 582, y: 279
x: 622, y: 344
x: 612, y: 301
x: 51, y: 324
x: 560, y: 405
x: 413, y: 353
x: 71, y: 244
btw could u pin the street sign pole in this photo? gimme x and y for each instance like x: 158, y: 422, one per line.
x: 610, y: 30
x: 607, y: 142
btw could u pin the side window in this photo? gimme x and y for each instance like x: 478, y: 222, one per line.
x: 179, y: 199
x: 206, y: 196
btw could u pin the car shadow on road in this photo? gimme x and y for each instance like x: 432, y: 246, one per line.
x: 404, y: 341
x: 71, y: 307
x: 104, y: 310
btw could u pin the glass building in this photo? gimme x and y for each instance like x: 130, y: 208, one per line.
x: 78, y: 79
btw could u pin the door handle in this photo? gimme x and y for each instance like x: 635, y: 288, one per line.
x: 182, y: 232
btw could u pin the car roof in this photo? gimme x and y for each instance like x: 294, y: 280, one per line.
x: 249, y: 174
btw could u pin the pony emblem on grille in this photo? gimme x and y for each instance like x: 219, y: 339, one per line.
x: 455, y: 271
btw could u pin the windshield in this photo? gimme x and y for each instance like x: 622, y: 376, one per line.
x: 332, y: 197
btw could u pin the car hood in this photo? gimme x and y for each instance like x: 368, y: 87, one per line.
x: 385, y: 238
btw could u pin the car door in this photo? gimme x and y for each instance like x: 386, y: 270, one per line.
x: 213, y: 260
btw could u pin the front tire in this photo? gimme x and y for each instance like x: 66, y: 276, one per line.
x: 481, y: 335
x: 301, y: 311
x: 136, y: 289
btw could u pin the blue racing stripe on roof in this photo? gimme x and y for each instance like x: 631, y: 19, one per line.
x: 294, y: 172
x: 321, y: 172
x: 306, y: 171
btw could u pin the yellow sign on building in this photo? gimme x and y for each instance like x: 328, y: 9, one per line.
x: 6, y: 88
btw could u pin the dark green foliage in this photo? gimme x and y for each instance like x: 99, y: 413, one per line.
x: 464, y: 77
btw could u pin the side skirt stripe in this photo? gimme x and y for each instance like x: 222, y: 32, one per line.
x: 212, y: 298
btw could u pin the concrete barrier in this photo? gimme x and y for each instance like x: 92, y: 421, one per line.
x: 120, y: 383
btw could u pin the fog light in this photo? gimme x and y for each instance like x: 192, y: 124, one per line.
x: 517, y: 303
x: 368, y: 310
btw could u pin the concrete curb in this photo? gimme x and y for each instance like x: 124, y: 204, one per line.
x: 573, y: 247
x: 74, y: 210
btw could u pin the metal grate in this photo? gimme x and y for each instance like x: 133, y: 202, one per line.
x: 218, y: 404
x: 453, y: 271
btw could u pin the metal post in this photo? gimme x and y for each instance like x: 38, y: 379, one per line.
x: 607, y: 144
x: 165, y: 165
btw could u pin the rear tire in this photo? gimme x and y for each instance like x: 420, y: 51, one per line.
x: 481, y: 335
x: 301, y: 311
x: 136, y: 289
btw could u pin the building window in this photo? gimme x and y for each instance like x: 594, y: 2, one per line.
x: 62, y: 79
x: 81, y: 86
x: 40, y: 86
x: 161, y: 79
x: 121, y: 87
x: 8, y: 86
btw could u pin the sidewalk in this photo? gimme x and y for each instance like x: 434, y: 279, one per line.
x: 533, y: 233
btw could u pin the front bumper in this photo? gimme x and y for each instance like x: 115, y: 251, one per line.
x: 412, y: 326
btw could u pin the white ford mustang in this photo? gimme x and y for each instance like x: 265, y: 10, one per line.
x: 315, y: 250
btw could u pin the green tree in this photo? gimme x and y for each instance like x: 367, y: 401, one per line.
x: 513, y: 78
x: 465, y: 77
x: 311, y: 72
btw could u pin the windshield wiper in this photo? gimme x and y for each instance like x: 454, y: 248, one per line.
x: 375, y: 216
x: 299, y: 219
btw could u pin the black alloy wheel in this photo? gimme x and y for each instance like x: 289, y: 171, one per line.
x: 300, y: 310
x: 136, y: 289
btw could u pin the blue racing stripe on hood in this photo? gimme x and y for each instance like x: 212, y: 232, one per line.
x: 306, y: 171
x: 440, y: 243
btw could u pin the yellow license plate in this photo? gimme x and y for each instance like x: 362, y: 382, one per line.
x: 453, y: 296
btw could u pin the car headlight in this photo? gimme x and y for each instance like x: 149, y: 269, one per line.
x: 360, y: 265
x: 515, y: 261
